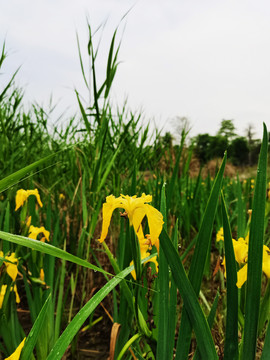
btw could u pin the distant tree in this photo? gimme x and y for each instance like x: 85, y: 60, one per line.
x: 202, y: 147
x: 167, y: 140
x: 181, y: 125
x: 250, y: 139
x: 227, y: 129
x: 218, y: 145
x: 238, y: 151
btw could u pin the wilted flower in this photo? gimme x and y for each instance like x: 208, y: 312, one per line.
x: 22, y: 195
x: 35, y: 231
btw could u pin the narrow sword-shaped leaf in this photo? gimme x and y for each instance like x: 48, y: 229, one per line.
x: 210, y: 320
x: 163, y: 276
x: 193, y: 308
x: 48, y: 249
x: 12, y: 179
x: 231, y: 338
x: 255, y: 249
x: 34, y: 332
x: 198, y: 261
x: 266, y: 347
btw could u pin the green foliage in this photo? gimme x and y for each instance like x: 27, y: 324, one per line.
x: 238, y: 151
x: 227, y: 129
x: 103, y: 151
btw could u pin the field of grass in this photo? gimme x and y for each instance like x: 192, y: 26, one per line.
x: 110, y: 249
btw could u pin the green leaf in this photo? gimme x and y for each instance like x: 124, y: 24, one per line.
x: 193, y: 309
x: 255, y: 253
x: 266, y: 347
x: 198, y: 261
x: 163, y: 277
x: 240, y: 211
x: 231, y: 338
x: 172, y: 310
x: 48, y: 249
x: 34, y: 332
x: 12, y: 179
x: 210, y: 320
x: 71, y: 330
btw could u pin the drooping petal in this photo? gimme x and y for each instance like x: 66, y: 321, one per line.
x: 36, y: 193
x: 241, y: 276
x: 137, y: 217
x: 108, y: 208
x: 14, y: 288
x: 155, y: 222
x: 12, y: 267
x: 17, y: 353
x: 35, y: 231
x: 3, y: 290
x: 21, y: 197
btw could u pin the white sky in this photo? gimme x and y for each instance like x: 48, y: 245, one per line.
x: 207, y: 60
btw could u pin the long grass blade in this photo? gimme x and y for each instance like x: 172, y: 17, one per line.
x: 71, y: 330
x: 254, y: 272
x: 203, y: 335
x: 231, y: 338
x: 199, y: 260
x: 34, y: 332
x: 48, y: 249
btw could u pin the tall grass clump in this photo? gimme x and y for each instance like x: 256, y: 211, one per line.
x: 98, y: 236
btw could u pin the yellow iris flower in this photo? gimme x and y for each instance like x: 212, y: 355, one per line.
x: 136, y: 209
x: 11, y: 265
x: 35, y: 231
x: 241, y: 256
x: 17, y: 353
x: 22, y: 195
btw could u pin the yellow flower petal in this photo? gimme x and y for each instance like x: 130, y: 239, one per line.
x: 155, y: 222
x: 17, y: 353
x: 22, y: 195
x: 28, y: 222
x: 36, y: 193
x: 41, y: 274
x: 220, y: 235
x: 241, y: 276
x: 108, y: 208
x: 136, y: 209
x: 14, y: 288
x: 35, y: 231
x: 266, y: 261
x: 240, y: 250
x: 3, y: 290
x: 12, y: 267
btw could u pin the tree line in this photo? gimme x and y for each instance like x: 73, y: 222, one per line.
x: 241, y: 150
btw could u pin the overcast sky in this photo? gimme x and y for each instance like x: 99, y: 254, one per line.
x: 206, y: 60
